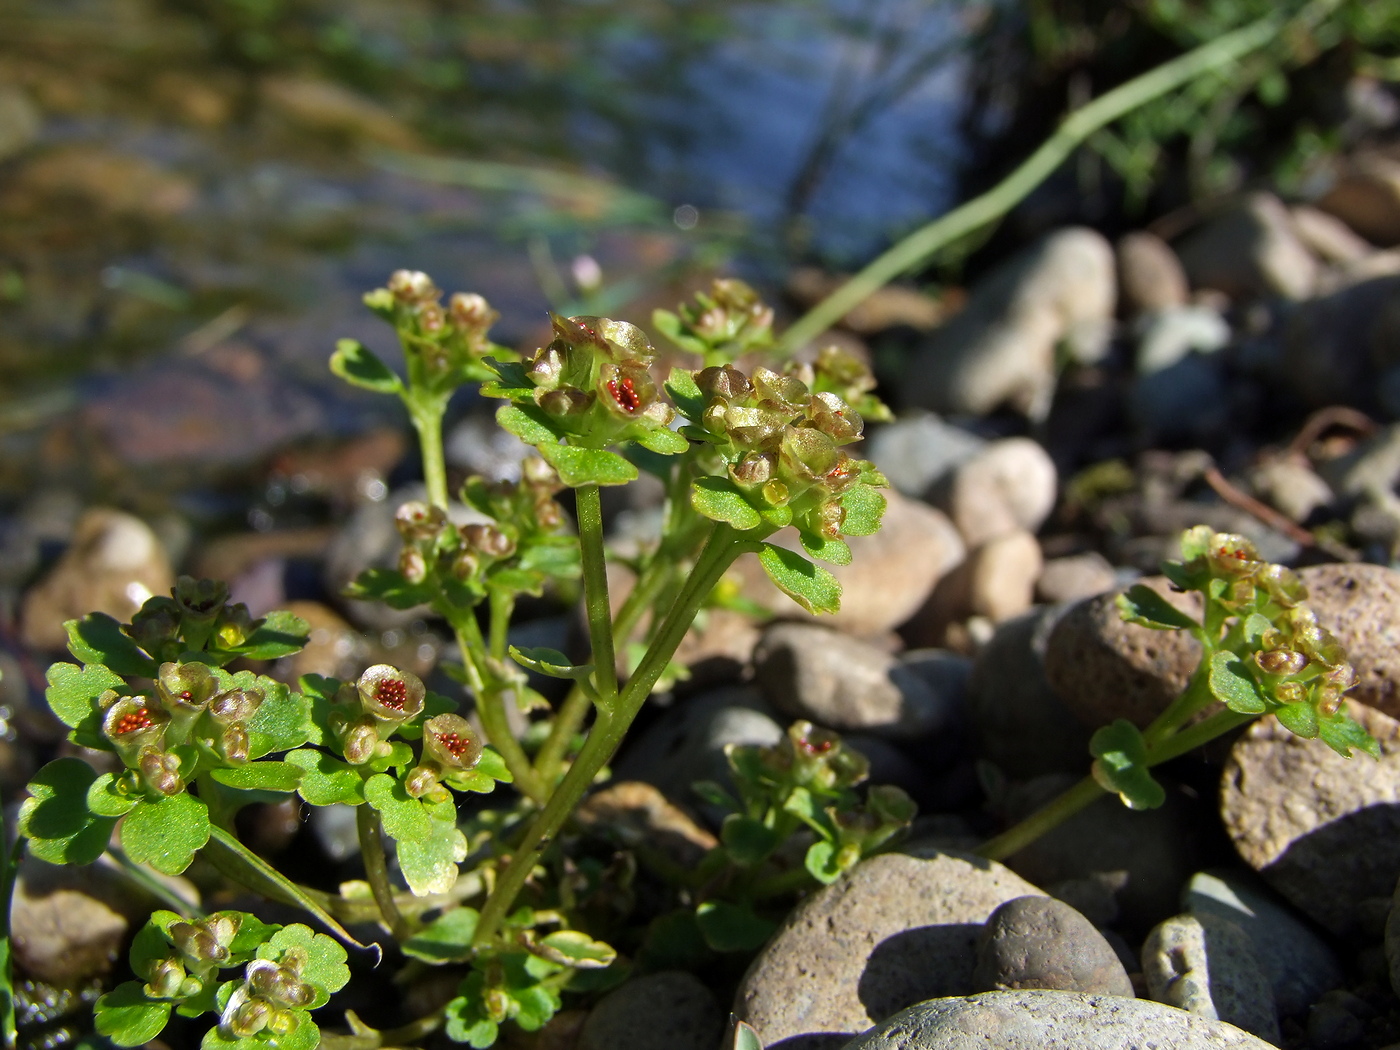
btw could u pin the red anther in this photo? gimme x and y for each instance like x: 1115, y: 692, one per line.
x: 187, y: 695
x: 624, y: 394
x: 132, y: 721
x: 454, y: 744
x: 819, y: 747
x: 392, y: 694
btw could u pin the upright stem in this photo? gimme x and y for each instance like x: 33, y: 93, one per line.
x: 607, y: 733
x: 426, y: 413
x: 595, y: 591
x: 1018, y: 837
x: 371, y: 833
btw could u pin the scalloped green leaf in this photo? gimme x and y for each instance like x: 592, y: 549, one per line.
x: 106, y: 799
x: 1231, y: 683
x: 662, y: 440
x: 810, y: 586
x: 55, y: 817
x: 98, y: 639
x: 746, y: 840
x: 1120, y: 765
x: 865, y: 509
x: 743, y: 1037
x: 1299, y: 718
x: 529, y: 424
x: 360, y: 366
x: 324, y: 968
x: 1342, y: 734
x: 821, y: 862
x: 834, y: 551
x: 326, y: 780
x: 1142, y: 605
x: 549, y: 662
x: 166, y: 833
x: 684, y: 391
x: 127, y: 1017
x: 511, y: 380
x: 447, y: 939
x: 585, y: 466
x: 280, y: 634
x: 404, y: 817
x: 732, y: 927
x: 719, y: 499
x: 389, y: 586
x: 429, y: 864
x: 260, y: 776
x: 73, y: 691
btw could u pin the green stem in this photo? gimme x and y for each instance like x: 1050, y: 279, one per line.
x: 371, y: 833
x: 783, y: 882
x: 1016, y: 838
x: 607, y: 733
x: 426, y: 412
x: 8, y: 1020
x: 1202, y: 732
x: 919, y: 246
x: 406, y: 1035
x: 1193, y: 698
x: 595, y: 591
x: 502, y: 608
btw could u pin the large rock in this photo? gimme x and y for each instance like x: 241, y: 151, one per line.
x: 890, y: 576
x: 1041, y: 942
x: 113, y: 564
x: 894, y: 931
x: 1044, y: 1020
x: 1250, y: 249
x: 1322, y: 829
x: 1009, y: 485
x: 1360, y: 604
x: 1001, y: 349
x: 1104, y: 667
x: 670, y: 1010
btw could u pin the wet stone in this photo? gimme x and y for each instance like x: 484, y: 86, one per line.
x: 1041, y: 942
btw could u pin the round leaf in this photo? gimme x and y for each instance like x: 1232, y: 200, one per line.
x: 167, y: 833
x: 125, y: 1016
x: 719, y: 499
x: 813, y: 588
x: 357, y: 365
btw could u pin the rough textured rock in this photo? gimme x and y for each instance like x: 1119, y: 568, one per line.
x: 1044, y: 1020
x: 670, y: 1010
x: 1360, y: 604
x: 1206, y: 965
x: 1298, y: 963
x: 1103, y: 667
x: 1367, y: 198
x: 1022, y: 725
x: 113, y: 564
x: 1323, y: 830
x: 1041, y: 942
x: 840, y: 682
x: 1008, y: 486
x: 1001, y: 349
x: 894, y: 931
x: 1150, y: 277
x: 1074, y: 577
x: 1250, y: 249
x: 892, y: 574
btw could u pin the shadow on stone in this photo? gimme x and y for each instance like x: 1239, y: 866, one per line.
x: 928, y: 962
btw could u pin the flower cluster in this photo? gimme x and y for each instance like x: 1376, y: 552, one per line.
x: 270, y: 999
x: 451, y: 747
x: 720, y: 325
x: 366, y: 714
x: 197, y: 616
x: 448, y: 344
x: 188, y: 708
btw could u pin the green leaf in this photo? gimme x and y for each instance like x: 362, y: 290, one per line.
x: 1232, y: 684
x: 865, y: 508
x: 719, y: 499
x: 778, y: 517
x: 746, y: 840
x: 715, y: 795
x: 490, y: 770
x: 578, y: 950
x: 280, y: 634
x: 326, y: 780
x: 166, y: 833
x: 429, y: 865
x: 743, y: 1037
x: 1299, y: 718
x: 73, y: 692
x: 535, y: 1006
x: 834, y: 551
x: 104, y: 799
x: 1142, y: 605
x: 515, y: 580
x: 389, y: 586
x: 512, y: 381
x: 549, y: 662
x: 529, y: 424
x: 403, y: 816
x: 1253, y: 628
x: 467, y: 1020
x: 260, y: 776
x: 324, y: 969
x: 55, y: 817
x: 804, y: 805
x: 583, y: 466
x: 662, y: 440
x: 821, y: 862
x: 98, y: 639
x: 1121, y: 765
x: 235, y: 860
x: 1342, y: 733
x: 447, y: 939
x: 731, y: 927
x: 125, y: 1016
x: 684, y: 391
x: 813, y: 588
x: 359, y: 366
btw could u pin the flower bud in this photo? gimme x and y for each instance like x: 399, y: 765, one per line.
x: 278, y: 984
x: 489, y: 540
x: 1281, y: 661
x: 390, y: 696
x: 776, y: 493
x: 413, y: 567
x: 537, y: 473
x: 165, y: 978
x: 465, y: 565
x: 567, y: 401
x: 471, y: 312
x: 830, y: 517
x: 421, y: 781
x: 282, y: 1023
x: 1283, y: 585
x: 156, y: 628
x: 233, y: 744
x: 199, y: 603
x: 412, y: 286
x: 788, y: 391
x: 431, y: 318
x: 245, y: 1018
x: 234, y: 626
x: 835, y: 418
x: 755, y: 468
x: 547, y: 367
x: 723, y: 381
x: 1291, y: 692
x: 160, y: 770
x: 236, y: 705
x: 1232, y: 555
x: 361, y: 741
x: 185, y: 689
x: 450, y: 743
x: 418, y: 521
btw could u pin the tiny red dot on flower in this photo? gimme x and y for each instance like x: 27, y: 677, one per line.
x: 454, y: 744
x: 624, y: 393
x: 392, y: 693
x: 132, y: 721
x: 816, y: 747
x: 187, y: 695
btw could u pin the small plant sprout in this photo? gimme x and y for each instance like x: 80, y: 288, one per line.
x: 1262, y: 652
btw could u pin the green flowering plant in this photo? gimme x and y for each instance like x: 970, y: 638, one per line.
x: 196, y: 729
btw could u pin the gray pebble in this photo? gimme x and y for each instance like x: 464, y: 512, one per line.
x: 1040, y: 942
x: 671, y: 1010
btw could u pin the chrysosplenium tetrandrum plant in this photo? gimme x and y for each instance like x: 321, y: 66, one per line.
x: 1262, y: 652
x: 196, y: 729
